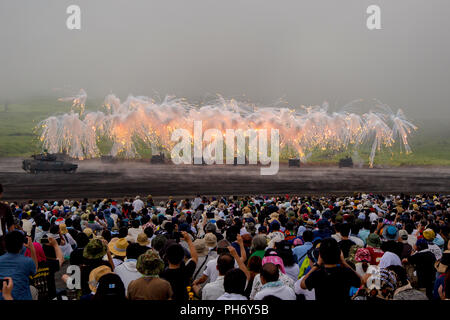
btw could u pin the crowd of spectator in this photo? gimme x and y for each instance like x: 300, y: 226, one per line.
x: 360, y: 247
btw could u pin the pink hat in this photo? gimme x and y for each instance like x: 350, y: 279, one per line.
x: 297, y: 242
x: 273, y: 258
x: 362, y: 254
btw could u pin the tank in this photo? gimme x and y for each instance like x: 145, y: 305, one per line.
x: 158, y: 158
x: 47, y: 163
x: 294, y: 162
x: 346, y: 162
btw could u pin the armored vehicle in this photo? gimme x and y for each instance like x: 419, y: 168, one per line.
x: 158, y: 158
x: 294, y: 162
x: 346, y: 162
x: 47, y: 163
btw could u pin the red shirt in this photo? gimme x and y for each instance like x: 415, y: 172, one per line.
x: 375, y: 255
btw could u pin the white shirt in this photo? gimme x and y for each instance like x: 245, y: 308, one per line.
x: 213, y: 290
x: 283, y: 292
x: 138, y: 205
x: 357, y: 241
x: 389, y: 259
x: 292, y: 271
x: 309, y: 294
x: 197, y: 201
x: 127, y: 272
x: 412, y: 240
x: 133, y: 234
x: 434, y: 248
x: 211, y: 270
x: 257, y: 284
x: 373, y: 216
x: 232, y: 296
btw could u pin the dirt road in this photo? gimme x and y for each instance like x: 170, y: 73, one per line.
x: 95, y: 179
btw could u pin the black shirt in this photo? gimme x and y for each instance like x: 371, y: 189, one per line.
x: 345, y: 246
x: 423, y: 262
x: 179, y: 279
x: 6, y: 217
x: 332, y: 283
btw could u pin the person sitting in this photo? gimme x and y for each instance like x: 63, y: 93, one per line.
x: 110, y: 288
x: 178, y: 273
x: 234, y: 285
x: 127, y: 270
x: 14, y: 264
x: 331, y: 276
x: 272, y: 285
x: 215, y: 289
x: 150, y: 286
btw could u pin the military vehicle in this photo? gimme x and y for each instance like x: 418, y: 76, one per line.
x: 47, y: 163
x: 158, y: 158
x: 294, y: 162
x: 346, y: 162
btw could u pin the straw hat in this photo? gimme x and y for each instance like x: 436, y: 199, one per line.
x: 118, y: 247
x: 95, y: 276
x: 63, y: 228
x: 142, y: 239
x: 88, y: 232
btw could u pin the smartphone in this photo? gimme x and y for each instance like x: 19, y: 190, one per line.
x: 44, y: 240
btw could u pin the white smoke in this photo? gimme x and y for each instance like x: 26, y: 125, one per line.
x: 141, y: 119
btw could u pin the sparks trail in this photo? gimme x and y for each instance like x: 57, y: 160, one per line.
x: 141, y: 119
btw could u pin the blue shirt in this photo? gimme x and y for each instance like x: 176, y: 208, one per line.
x: 363, y: 234
x: 300, y: 252
x: 19, y: 268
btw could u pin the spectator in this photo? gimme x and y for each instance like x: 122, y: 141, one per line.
x: 272, y: 285
x: 6, y: 222
x: 234, y: 285
x: 16, y: 266
x: 178, y: 273
x: 150, y: 286
x: 330, y: 281
x: 215, y: 289
x: 423, y: 260
x: 127, y: 271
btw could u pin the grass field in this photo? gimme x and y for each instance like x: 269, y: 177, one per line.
x: 430, y: 143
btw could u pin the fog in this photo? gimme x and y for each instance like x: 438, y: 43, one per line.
x: 305, y: 52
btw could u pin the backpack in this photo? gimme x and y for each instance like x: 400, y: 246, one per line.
x: 304, y: 267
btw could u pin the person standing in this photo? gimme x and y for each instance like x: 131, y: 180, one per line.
x: 6, y: 222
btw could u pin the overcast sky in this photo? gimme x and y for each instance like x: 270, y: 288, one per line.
x: 305, y: 52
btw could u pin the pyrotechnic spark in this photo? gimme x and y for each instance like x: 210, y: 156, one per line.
x: 78, y: 101
x: 304, y: 129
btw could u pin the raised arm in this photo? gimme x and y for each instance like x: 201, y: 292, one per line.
x: 240, y: 241
x: 58, y: 251
x: 30, y: 246
x: 187, y: 238
x: 240, y: 263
